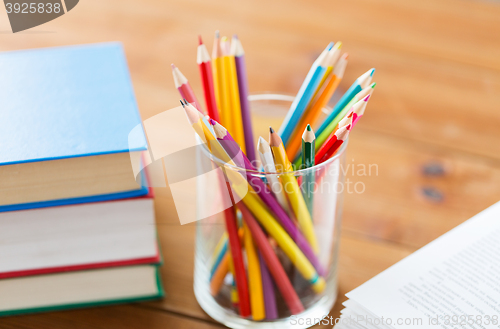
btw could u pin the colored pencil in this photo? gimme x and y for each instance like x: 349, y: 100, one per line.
x: 320, y: 139
x: 217, y: 70
x: 220, y: 83
x: 304, y: 96
x: 266, y: 158
x: 333, y: 143
x: 241, y: 72
x: 254, y: 277
x: 235, y: 299
x: 332, y: 58
x: 273, y: 264
x: 308, y: 154
x: 219, y: 256
x: 354, y: 114
x: 285, y: 243
x: 292, y: 189
x: 362, y: 82
x: 309, y: 271
x: 231, y: 81
x: 271, y: 308
x: 231, y: 225
x: 182, y: 85
x: 219, y: 275
x: 239, y: 158
x: 359, y: 111
x: 205, y: 66
x: 315, y: 111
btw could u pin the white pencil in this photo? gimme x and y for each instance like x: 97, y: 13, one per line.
x: 266, y: 157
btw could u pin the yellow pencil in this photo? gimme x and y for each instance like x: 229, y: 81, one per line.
x: 254, y: 277
x: 231, y: 88
x: 222, y: 96
x: 292, y: 189
x: 234, y: 293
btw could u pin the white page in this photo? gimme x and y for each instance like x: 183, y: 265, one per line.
x: 456, y: 277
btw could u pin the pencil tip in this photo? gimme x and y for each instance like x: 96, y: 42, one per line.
x: 271, y: 130
x: 217, y: 34
x: 330, y: 46
x: 346, y: 56
x: 373, y: 85
x: 366, y: 98
x: 371, y: 72
x: 200, y: 40
x: 182, y: 103
x: 338, y: 45
x: 212, y: 121
x: 235, y: 36
x: 185, y: 101
x: 308, y: 128
x: 173, y: 66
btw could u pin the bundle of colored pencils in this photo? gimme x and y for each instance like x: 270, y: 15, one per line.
x: 277, y: 213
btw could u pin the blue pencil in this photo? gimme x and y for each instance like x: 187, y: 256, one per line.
x: 362, y: 82
x: 306, y: 92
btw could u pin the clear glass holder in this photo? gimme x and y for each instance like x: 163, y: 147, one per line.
x: 325, y: 195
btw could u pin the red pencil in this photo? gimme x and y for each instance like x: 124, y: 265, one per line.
x: 333, y: 143
x: 182, y: 84
x: 239, y: 265
x: 203, y: 60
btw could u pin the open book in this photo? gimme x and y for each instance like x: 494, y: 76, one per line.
x: 453, y: 282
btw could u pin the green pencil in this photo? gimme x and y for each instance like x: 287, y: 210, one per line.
x: 308, y: 154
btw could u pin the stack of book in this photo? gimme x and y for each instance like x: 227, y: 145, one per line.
x: 77, y: 226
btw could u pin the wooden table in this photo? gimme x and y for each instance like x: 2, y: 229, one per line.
x: 432, y: 127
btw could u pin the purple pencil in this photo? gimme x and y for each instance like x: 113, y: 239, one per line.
x: 233, y: 150
x: 241, y: 73
x: 268, y: 289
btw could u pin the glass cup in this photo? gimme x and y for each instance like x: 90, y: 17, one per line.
x: 290, y: 273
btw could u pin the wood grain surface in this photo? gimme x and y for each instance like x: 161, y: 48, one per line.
x: 431, y: 129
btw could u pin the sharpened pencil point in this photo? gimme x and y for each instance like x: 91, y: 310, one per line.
x: 173, y: 66
x: 200, y: 41
x: 372, y: 71
x: 373, y: 85
x: 182, y: 103
x: 366, y: 98
x: 185, y: 101
x: 235, y: 36
x: 330, y: 46
x: 308, y: 127
x: 217, y: 34
x: 271, y: 130
x: 212, y: 121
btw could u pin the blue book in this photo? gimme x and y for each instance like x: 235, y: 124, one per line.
x: 70, y: 131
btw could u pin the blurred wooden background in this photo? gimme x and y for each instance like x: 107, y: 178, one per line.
x: 432, y: 126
